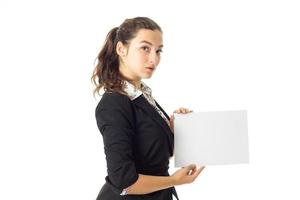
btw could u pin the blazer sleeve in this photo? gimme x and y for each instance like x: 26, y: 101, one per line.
x: 115, y: 121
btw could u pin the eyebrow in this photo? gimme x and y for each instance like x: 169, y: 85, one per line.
x: 145, y: 41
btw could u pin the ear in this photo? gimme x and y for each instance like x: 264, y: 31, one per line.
x: 121, y: 49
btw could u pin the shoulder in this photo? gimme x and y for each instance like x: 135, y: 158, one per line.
x: 113, y: 100
x: 114, y: 108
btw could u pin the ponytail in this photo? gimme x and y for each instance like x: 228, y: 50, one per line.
x: 106, y: 73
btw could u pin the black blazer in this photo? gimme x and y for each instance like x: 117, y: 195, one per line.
x: 136, y: 140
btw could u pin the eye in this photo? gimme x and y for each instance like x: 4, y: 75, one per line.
x: 159, y: 51
x: 146, y: 48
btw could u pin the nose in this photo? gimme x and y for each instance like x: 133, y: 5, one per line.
x: 154, y: 58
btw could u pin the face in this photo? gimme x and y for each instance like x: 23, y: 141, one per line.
x: 141, y: 56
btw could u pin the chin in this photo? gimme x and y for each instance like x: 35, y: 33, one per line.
x: 147, y: 76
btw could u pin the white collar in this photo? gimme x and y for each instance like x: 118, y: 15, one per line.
x: 133, y: 92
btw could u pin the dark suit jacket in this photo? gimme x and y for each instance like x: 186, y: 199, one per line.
x: 136, y: 140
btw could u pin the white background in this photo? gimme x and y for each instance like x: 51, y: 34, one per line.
x: 218, y: 55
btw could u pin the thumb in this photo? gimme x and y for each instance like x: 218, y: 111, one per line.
x: 198, y: 171
x: 191, y: 167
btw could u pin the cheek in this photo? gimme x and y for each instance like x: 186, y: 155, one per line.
x: 140, y: 60
x: 136, y: 64
x: 137, y: 61
x: 158, y: 60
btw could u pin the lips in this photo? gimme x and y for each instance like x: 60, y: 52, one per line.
x: 150, y: 67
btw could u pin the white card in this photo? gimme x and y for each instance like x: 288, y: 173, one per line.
x: 211, y: 138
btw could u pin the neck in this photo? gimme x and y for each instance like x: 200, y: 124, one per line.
x: 129, y: 77
x: 136, y: 83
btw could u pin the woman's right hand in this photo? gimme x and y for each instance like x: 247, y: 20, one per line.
x: 186, y: 174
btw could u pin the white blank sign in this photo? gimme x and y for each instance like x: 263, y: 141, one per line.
x: 211, y: 138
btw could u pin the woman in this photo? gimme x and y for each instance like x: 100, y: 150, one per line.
x: 137, y: 133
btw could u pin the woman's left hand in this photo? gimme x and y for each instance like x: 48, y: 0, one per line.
x: 181, y: 110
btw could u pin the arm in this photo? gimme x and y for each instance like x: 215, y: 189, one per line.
x: 115, y: 121
x: 147, y: 184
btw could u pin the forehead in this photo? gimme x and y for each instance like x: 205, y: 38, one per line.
x: 152, y: 36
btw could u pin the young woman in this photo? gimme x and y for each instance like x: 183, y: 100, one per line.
x: 137, y: 133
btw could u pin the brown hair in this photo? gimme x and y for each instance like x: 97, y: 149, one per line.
x: 106, y: 73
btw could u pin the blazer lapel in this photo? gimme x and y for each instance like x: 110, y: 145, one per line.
x: 145, y: 105
x: 162, y: 110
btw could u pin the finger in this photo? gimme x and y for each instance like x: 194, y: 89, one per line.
x: 179, y: 111
x: 182, y: 110
x: 185, y: 110
x: 193, y: 171
x: 176, y: 111
x: 196, y: 174
x: 196, y: 171
x: 191, y: 167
